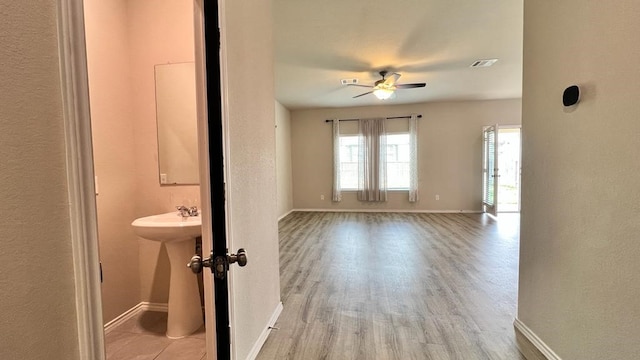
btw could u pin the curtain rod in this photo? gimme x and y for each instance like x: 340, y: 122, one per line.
x: 389, y: 118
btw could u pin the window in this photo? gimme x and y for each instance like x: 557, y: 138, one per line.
x: 349, y: 162
x: 398, y: 168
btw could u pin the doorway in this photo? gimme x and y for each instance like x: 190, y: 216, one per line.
x: 509, y: 164
x: 501, y: 167
x: 135, y: 54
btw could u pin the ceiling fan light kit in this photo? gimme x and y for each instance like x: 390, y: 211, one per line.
x: 383, y: 94
x: 384, y: 88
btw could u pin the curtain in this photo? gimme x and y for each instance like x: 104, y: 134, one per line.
x: 372, y: 160
x: 337, y: 193
x: 413, y: 158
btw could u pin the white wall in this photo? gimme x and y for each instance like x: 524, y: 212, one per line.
x: 251, y: 182
x: 37, y: 305
x: 449, y: 162
x: 283, y: 160
x: 579, y: 285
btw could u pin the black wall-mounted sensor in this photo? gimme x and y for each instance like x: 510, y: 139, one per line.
x: 571, y: 95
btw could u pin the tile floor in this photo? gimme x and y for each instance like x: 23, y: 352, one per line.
x: 143, y: 338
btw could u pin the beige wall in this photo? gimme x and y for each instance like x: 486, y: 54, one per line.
x: 108, y: 58
x: 450, y: 153
x: 283, y: 160
x: 579, y: 269
x: 125, y: 39
x: 252, y: 169
x: 37, y: 304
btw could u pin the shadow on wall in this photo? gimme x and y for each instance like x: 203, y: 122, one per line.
x: 159, y: 291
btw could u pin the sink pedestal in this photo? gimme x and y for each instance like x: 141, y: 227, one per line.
x: 178, y: 233
x: 185, y: 311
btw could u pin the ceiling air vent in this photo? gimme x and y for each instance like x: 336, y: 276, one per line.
x: 483, y: 63
x: 349, y: 81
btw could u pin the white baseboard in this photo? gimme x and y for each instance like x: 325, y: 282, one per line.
x: 265, y: 333
x: 539, y: 347
x: 122, y: 318
x: 159, y: 307
x: 143, y: 306
x: 393, y: 211
x: 285, y: 215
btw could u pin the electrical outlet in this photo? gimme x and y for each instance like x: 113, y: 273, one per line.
x: 321, y: 197
x: 437, y: 197
x: 163, y: 178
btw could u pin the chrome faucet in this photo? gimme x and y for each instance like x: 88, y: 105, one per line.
x: 186, y: 212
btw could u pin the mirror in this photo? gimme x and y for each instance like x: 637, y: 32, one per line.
x: 177, y: 124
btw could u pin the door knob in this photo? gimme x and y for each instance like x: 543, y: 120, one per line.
x: 219, y: 265
x: 240, y: 258
x: 197, y: 263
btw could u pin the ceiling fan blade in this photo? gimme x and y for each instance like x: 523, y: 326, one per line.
x: 410, y: 86
x: 367, y: 93
x: 359, y: 85
x: 391, y: 79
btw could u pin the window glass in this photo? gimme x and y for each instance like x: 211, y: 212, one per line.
x: 349, y: 162
x: 397, y: 162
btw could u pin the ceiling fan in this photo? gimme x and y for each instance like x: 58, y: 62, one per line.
x: 385, y: 87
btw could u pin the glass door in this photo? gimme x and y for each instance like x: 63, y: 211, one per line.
x: 509, y: 155
x: 490, y: 170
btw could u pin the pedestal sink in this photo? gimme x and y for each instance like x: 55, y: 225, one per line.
x: 178, y: 235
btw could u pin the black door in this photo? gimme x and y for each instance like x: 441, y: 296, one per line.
x: 216, y: 168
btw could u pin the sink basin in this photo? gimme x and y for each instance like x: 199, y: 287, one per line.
x: 178, y: 234
x: 168, y: 227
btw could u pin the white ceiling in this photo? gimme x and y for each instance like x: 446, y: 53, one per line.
x: 319, y: 42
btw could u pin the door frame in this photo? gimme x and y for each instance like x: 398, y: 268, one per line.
x: 80, y: 178
x: 74, y: 85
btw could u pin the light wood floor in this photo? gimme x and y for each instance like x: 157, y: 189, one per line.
x: 396, y: 286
